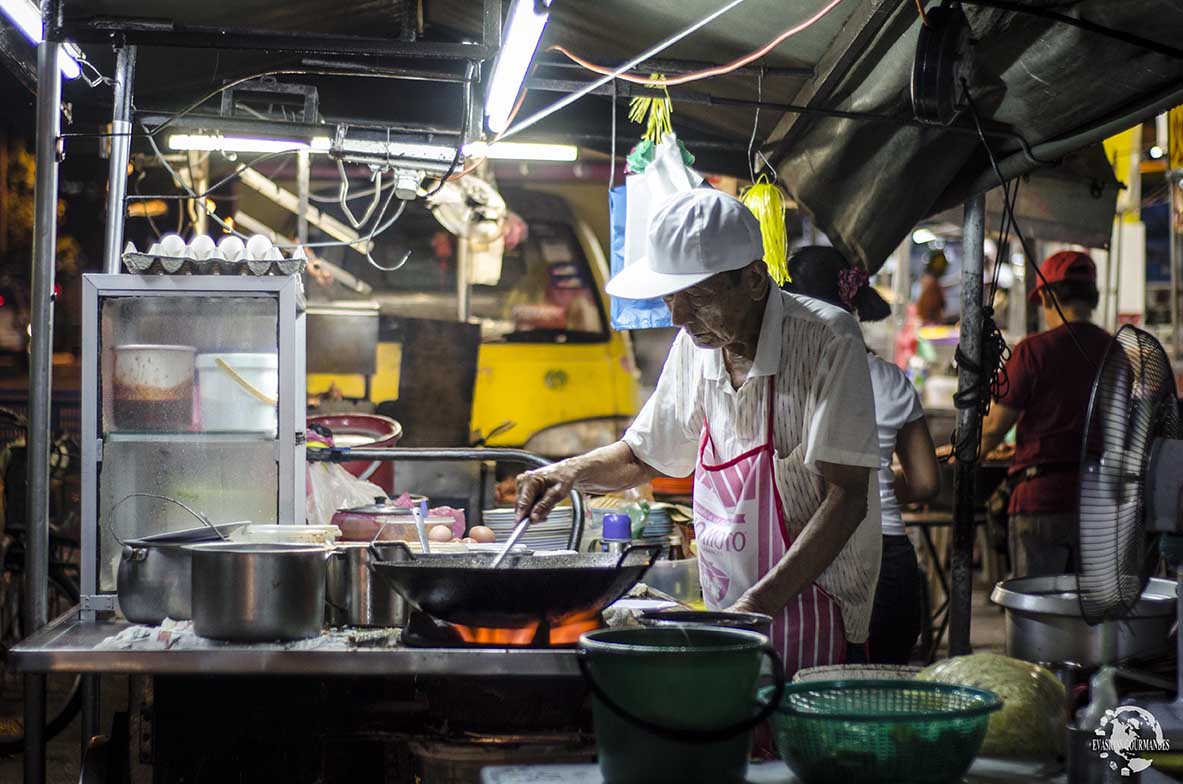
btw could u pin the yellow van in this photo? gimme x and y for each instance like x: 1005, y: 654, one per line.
x: 551, y: 375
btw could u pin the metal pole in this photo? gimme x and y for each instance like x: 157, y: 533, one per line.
x: 91, y: 689
x: 41, y: 342
x: 45, y: 194
x: 303, y: 177
x: 35, y: 728
x: 463, y: 308
x: 1173, y: 234
x: 969, y: 425
x: 125, y: 66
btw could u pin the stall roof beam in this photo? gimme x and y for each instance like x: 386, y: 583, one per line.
x: 154, y: 32
x: 854, y: 41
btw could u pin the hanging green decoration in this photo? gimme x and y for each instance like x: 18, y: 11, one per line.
x: 767, y: 203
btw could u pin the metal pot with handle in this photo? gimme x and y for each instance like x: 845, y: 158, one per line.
x: 355, y: 595
x: 256, y: 592
x: 153, y: 578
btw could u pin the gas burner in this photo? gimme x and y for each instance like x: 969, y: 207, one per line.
x: 426, y: 631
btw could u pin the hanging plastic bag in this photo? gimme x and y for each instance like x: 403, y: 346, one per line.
x: 631, y: 206
x: 329, y: 487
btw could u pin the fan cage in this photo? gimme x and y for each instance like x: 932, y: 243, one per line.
x: 1132, y: 403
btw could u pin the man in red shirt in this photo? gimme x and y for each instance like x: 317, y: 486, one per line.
x: 1050, y: 378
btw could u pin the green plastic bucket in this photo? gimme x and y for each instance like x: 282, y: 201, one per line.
x: 676, y: 704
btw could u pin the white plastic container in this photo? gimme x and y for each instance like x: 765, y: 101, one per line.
x: 238, y: 392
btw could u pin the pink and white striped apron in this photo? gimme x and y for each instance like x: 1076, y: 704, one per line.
x: 739, y: 523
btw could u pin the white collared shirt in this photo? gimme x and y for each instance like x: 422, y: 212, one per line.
x: 824, y: 412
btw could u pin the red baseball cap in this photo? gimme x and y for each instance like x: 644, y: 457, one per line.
x: 1062, y: 266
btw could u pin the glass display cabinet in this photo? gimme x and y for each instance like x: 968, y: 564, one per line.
x: 192, y: 389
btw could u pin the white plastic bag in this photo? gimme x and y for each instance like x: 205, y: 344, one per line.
x: 330, y: 487
x: 666, y: 175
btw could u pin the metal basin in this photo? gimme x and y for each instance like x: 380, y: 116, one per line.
x: 253, y: 592
x: 1044, y: 623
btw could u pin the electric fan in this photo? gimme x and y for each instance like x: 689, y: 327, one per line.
x: 470, y: 207
x: 1131, y: 488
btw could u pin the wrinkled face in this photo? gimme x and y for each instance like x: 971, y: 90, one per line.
x: 712, y: 312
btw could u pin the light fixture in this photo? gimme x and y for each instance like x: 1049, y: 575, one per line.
x: 218, y: 143
x: 290, y: 202
x: 519, y: 41
x: 1156, y: 152
x: 522, y: 151
x: 27, y: 18
x: 923, y: 236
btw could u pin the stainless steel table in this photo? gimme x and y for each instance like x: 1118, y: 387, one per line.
x: 984, y: 771
x: 70, y: 645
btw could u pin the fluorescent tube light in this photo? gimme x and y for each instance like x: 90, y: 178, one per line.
x: 217, y: 143
x: 519, y: 41
x: 522, y: 151
x: 290, y: 202
x: 27, y: 18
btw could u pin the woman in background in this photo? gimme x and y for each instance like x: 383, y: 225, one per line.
x: 824, y: 274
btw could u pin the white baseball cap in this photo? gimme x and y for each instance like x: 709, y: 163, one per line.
x: 693, y: 235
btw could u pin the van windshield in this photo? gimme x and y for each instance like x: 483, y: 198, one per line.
x: 538, y: 288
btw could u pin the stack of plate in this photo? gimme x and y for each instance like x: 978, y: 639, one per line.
x: 550, y: 534
x: 658, y: 526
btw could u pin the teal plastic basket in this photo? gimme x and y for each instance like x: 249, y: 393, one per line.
x: 881, y: 732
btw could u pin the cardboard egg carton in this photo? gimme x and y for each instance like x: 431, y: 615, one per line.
x: 201, y: 256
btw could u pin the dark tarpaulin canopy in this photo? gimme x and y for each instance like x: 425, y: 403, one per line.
x: 866, y: 182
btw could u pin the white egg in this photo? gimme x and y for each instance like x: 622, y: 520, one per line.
x: 217, y: 255
x: 232, y: 248
x: 257, y: 247
x: 172, y: 245
x: 274, y: 254
x: 202, y: 246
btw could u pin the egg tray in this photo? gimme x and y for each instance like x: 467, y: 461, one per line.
x: 148, y: 263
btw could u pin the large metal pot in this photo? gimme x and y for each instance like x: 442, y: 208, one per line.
x: 357, y: 597
x: 254, y: 592
x: 153, y: 579
x: 1044, y: 623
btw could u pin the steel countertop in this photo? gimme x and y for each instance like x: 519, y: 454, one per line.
x: 70, y: 645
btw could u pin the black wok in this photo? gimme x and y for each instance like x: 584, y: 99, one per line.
x: 526, y: 589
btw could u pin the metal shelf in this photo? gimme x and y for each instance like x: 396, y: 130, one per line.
x: 189, y: 438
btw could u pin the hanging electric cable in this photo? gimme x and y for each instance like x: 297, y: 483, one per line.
x: 705, y: 73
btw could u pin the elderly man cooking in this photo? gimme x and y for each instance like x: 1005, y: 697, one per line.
x: 772, y: 410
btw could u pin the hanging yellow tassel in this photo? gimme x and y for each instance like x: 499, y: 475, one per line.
x: 767, y: 203
x: 654, y: 113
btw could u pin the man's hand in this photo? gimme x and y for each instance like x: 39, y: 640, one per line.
x: 751, y: 602
x: 542, y: 489
x: 604, y: 470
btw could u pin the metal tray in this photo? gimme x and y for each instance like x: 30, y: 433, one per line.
x: 146, y: 264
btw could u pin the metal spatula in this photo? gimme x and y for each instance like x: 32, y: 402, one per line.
x: 518, y: 530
